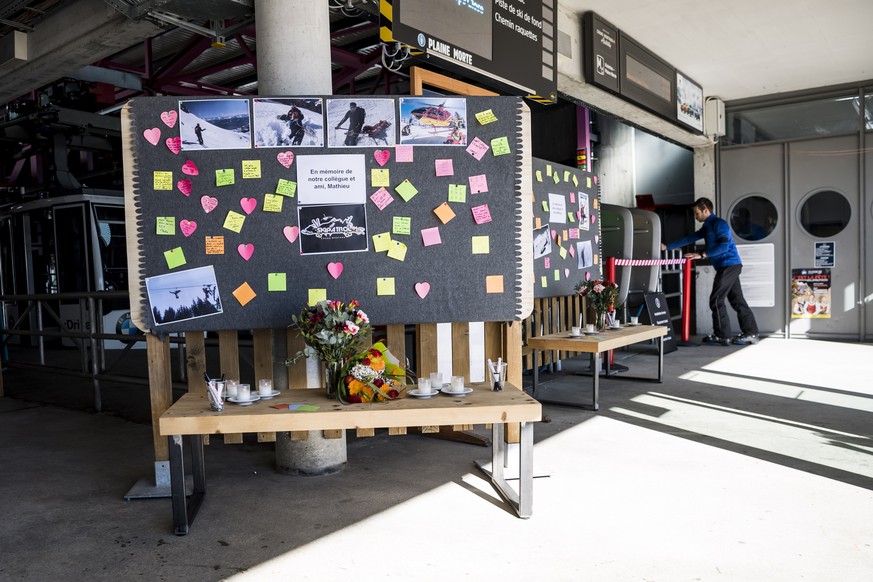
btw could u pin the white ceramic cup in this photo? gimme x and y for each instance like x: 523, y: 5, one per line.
x: 243, y: 392
x: 575, y: 331
x: 265, y: 387
x: 634, y: 319
x: 457, y: 383
x: 231, y: 387
x: 436, y: 380
x: 424, y: 386
x: 589, y: 328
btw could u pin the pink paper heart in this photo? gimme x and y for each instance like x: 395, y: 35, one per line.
x: 246, y: 250
x: 188, y: 227
x: 190, y: 168
x: 152, y: 135
x: 554, y: 234
x: 422, y: 289
x: 208, y: 203
x: 335, y: 269
x: 184, y: 186
x: 291, y: 233
x: 382, y: 156
x: 169, y: 118
x: 174, y: 144
x: 567, y: 273
x: 248, y: 205
x: 285, y: 158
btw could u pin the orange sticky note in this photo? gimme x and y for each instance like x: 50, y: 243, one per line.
x: 244, y: 293
x: 444, y: 212
x: 214, y: 245
x: 494, y: 284
x: 539, y: 222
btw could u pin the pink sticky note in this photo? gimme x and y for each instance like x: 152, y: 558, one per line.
x: 481, y: 214
x: 572, y: 198
x: 403, y: 153
x: 431, y: 236
x: 477, y: 148
x: 381, y: 198
x: 478, y: 184
x: 444, y: 168
x: 574, y: 233
x: 572, y: 250
x: 547, y: 263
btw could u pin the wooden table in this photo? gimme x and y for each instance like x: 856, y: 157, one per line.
x: 192, y: 417
x: 596, y: 344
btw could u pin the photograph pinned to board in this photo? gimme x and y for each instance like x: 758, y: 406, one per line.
x: 332, y: 228
x: 584, y: 211
x: 297, y: 122
x: 542, y: 241
x: 184, y: 295
x: 361, y: 123
x: 584, y: 254
x: 215, y: 124
x: 433, y: 121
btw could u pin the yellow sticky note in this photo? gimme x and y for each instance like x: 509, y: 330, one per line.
x: 385, y: 286
x: 539, y: 175
x: 382, y: 242
x: 563, y: 253
x: 549, y: 170
x: 556, y: 178
x: 544, y: 281
x: 244, y: 293
x: 406, y: 190
x: 575, y: 180
x: 165, y: 225
x: 486, y: 117
x: 175, y: 257
x: 500, y: 146
x: 397, y: 250
x: 277, y: 282
x: 234, y: 221
x: 214, y: 245
x: 251, y: 169
x: 588, y: 181
x: 316, y: 295
x: 380, y: 177
x: 444, y: 212
x: 457, y: 192
x: 481, y: 245
x: 571, y: 216
x: 273, y: 202
x: 494, y: 284
x: 557, y: 274
x: 401, y: 225
x: 224, y: 177
x: 286, y: 187
x: 163, y: 180
x: 545, y: 206
x: 539, y: 222
x: 566, y: 175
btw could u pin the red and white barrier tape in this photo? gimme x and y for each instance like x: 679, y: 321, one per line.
x: 646, y: 262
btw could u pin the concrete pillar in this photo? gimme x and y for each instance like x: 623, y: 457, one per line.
x: 294, y: 59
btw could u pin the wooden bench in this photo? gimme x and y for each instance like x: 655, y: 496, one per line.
x: 192, y: 417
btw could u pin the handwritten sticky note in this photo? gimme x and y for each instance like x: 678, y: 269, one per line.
x: 544, y: 281
x: 574, y: 233
x: 478, y: 184
x: 385, y: 286
x: 457, y: 193
x: 481, y: 214
x: 401, y: 225
x: 549, y: 170
x: 566, y: 175
x: 163, y: 180
x: 273, y: 202
x: 486, y: 117
x: 572, y: 198
x: 214, y: 245
x: 165, y: 225
x: 564, y: 234
x: 588, y: 182
x: 556, y: 178
x: 397, y: 250
x: 380, y: 177
x: 277, y: 282
x: 546, y: 262
x: 224, y: 177
x: 494, y: 284
x: 382, y: 242
x: 557, y: 274
x: 251, y: 169
x: 431, y: 236
x: 444, y: 212
x: 500, y: 146
x: 403, y: 153
x: 481, y: 245
x: 244, y: 293
x: 538, y: 222
x: 477, y: 148
x: 316, y: 295
x: 575, y: 180
x: 444, y: 167
x: 286, y: 187
x: 234, y: 221
x: 382, y: 198
x: 406, y: 190
x: 539, y: 174
x: 174, y: 257
x: 545, y: 206
x: 594, y: 203
x: 571, y: 216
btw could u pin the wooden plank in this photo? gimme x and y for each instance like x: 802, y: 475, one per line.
x: 395, y: 430
x: 262, y: 343
x: 228, y: 359
x: 299, y: 435
x: 195, y: 364
x: 160, y: 389
x: 461, y: 350
x: 430, y: 429
x: 297, y: 371
x: 365, y: 432
x: 419, y: 77
x: 426, y: 349
x: 514, y: 374
x: 612, y: 339
x: 332, y: 433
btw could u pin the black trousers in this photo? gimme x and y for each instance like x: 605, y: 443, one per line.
x: 727, y: 285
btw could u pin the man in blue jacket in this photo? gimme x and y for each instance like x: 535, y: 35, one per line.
x: 722, y: 253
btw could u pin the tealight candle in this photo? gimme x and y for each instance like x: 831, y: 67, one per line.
x: 243, y: 392
x: 424, y: 386
x: 265, y: 387
x: 589, y: 328
x: 231, y: 387
x: 436, y: 380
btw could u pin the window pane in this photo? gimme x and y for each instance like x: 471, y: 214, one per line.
x: 753, y: 218
x: 825, y: 213
x: 834, y: 115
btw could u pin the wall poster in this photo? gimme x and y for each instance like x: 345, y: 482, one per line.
x: 810, y: 294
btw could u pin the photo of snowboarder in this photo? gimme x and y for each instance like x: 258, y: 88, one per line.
x: 215, y: 124
x: 296, y: 122
x: 361, y: 122
x: 433, y: 121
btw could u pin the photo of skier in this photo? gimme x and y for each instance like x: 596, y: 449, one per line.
x: 296, y: 122
x: 361, y: 122
x: 215, y: 124
x: 433, y: 121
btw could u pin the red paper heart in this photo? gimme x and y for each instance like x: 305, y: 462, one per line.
x: 208, y: 203
x: 246, y: 250
x: 422, y: 289
x: 335, y: 269
x: 190, y: 168
x: 152, y: 135
x: 174, y: 144
x: 188, y: 227
x: 248, y: 205
x: 184, y: 186
x: 291, y: 233
x: 382, y: 156
x: 169, y: 118
x: 285, y: 158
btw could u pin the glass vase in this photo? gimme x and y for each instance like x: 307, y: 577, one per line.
x: 600, y: 320
x: 333, y: 375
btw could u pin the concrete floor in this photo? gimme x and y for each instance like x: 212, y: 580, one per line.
x: 746, y: 464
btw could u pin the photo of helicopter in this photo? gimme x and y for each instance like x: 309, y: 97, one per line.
x: 434, y: 121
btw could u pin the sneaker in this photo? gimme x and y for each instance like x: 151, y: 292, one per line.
x: 714, y: 340
x: 745, y: 339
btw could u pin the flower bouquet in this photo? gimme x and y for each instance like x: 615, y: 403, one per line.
x: 600, y: 295
x: 373, y: 376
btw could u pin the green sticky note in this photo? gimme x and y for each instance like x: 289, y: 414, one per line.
x: 548, y: 169
x: 163, y: 180
x: 401, y: 225
x: 397, y: 251
x: 251, y: 169
x: 224, y: 177
x: 234, y: 221
x: 588, y: 182
x: 277, y: 282
x: 545, y: 206
x: 273, y: 202
x: 286, y: 187
x: 165, y: 225
x: 566, y: 175
x: 457, y: 192
x: 307, y: 408
x: 175, y: 257
x: 385, y: 286
x: 380, y: 177
x: 544, y: 281
x: 557, y: 274
x: 563, y: 252
x: 539, y: 175
x: 316, y: 295
x: 382, y: 242
x: 481, y: 245
x: 556, y: 177
x: 575, y: 180
x: 571, y: 216
x: 500, y: 146
x: 406, y: 190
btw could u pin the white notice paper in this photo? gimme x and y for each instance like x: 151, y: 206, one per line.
x: 558, y: 208
x: 334, y: 179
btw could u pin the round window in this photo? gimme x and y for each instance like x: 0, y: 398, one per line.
x: 825, y: 213
x: 753, y: 218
